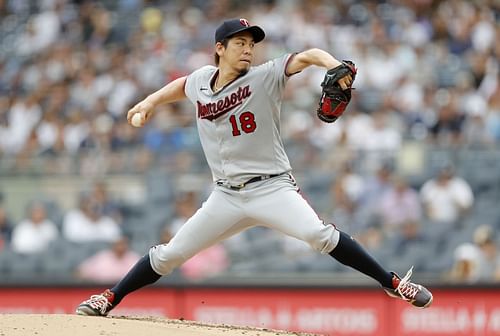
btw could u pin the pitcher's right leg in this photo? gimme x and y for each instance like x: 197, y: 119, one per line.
x: 219, y: 217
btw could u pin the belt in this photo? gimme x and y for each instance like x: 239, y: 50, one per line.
x: 252, y: 180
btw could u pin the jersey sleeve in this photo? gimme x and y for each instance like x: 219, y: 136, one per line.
x: 274, y: 73
x: 193, y: 83
x: 189, y: 86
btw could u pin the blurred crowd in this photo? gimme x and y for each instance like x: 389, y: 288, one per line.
x: 431, y: 227
x: 428, y: 73
x: 69, y: 70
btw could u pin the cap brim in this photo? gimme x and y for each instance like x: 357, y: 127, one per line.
x: 257, y: 33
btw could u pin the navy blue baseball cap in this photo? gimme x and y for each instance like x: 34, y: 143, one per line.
x: 233, y: 26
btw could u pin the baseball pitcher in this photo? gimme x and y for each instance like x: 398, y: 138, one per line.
x: 237, y: 108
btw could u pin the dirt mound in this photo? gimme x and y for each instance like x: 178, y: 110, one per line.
x: 74, y: 325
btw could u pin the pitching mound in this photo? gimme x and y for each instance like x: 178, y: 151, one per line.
x: 74, y: 325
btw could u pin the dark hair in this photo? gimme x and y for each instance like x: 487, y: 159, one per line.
x: 216, y: 56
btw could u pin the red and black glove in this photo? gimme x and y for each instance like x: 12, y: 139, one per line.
x: 334, y: 100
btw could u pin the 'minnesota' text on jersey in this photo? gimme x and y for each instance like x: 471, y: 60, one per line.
x: 239, y: 124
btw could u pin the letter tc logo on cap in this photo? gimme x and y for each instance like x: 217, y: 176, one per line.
x: 245, y: 22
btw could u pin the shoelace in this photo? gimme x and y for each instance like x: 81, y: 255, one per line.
x: 99, y: 302
x: 406, y: 289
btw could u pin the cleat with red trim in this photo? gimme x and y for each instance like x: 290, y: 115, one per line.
x: 97, y: 305
x: 415, y: 294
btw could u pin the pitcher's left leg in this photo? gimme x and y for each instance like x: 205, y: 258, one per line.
x: 279, y: 206
x: 287, y: 211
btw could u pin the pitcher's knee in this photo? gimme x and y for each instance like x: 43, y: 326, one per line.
x: 325, y: 239
x: 164, y: 259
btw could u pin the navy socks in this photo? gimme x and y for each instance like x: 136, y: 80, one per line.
x: 347, y: 252
x: 140, y: 275
x: 350, y: 253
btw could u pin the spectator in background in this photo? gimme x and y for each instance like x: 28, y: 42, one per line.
x: 49, y: 133
x: 484, y: 239
x: 87, y: 223
x: 399, y: 205
x: 467, y: 263
x: 475, y: 130
x: 35, y: 233
x: 447, y: 130
x: 478, y: 261
x: 23, y: 116
x: 382, y: 137
x: 373, y: 237
x: 446, y: 197
x: 493, y: 115
x: 41, y: 32
x: 410, y: 232
x: 375, y: 186
x: 5, y: 226
x: 346, y: 192
x: 109, y: 265
x: 4, y: 9
x: 76, y: 130
x: 185, y: 205
x: 109, y: 207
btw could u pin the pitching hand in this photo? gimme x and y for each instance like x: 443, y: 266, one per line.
x: 144, y: 108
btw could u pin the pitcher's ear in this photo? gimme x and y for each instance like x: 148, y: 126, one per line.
x: 219, y: 48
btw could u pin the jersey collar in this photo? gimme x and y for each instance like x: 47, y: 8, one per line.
x: 213, y: 78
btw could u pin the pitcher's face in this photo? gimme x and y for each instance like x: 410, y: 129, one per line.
x: 239, y: 52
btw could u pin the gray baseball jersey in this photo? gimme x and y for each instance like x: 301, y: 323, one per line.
x: 239, y: 125
x: 240, y: 134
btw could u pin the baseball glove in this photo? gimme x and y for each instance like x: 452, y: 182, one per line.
x: 334, y: 100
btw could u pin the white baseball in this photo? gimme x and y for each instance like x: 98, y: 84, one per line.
x: 136, y: 120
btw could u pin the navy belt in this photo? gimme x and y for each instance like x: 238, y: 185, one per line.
x: 252, y: 180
